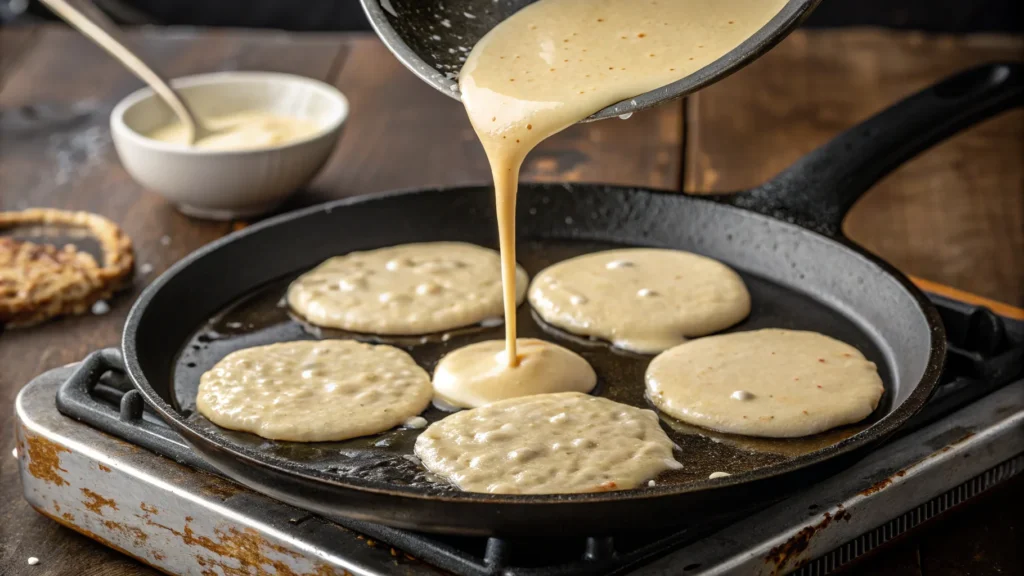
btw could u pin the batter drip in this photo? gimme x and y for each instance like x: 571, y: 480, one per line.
x: 555, y: 62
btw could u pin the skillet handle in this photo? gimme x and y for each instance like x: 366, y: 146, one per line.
x: 817, y: 191
x: 88, y: 397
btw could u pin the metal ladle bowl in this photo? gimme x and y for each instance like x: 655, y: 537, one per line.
x: 432, y: 38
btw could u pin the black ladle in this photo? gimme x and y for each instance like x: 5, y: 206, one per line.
x: 429, y: 38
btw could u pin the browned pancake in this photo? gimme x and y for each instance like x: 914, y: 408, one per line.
x: 41, y: 281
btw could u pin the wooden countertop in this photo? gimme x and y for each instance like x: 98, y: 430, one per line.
x: 954, y: 215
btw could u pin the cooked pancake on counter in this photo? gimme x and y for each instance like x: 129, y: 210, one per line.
x: 641, y: 299
x: 313, y: 391
x: 547, y: 444
x: 39, y: 281
x: 406, y: 290
x: 478, y: 374
x: 773, y: 383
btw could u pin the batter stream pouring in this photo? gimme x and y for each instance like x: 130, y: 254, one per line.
x: 555, y: 62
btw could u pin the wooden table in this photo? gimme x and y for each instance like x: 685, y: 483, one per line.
x: 954, y: 215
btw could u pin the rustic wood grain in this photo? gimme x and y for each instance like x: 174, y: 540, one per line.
x: 59, y: 154
x: 401, y: 134
x: 954, y: 215
x: 14, y: 42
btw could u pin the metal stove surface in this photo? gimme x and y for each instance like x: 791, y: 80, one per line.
x: 184, y: 520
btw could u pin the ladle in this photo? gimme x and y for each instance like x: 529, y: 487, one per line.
x: 98, y: 28
x: 429, y: 38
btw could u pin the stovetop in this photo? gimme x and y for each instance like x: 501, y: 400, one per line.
x: 90, y: 473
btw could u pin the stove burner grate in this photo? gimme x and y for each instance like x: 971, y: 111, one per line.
x: 985, y: 353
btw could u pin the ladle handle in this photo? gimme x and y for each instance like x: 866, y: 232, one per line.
x: 106, y: 40
x: 819, y: 189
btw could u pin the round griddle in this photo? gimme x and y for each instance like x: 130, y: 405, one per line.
x: 783, y: 237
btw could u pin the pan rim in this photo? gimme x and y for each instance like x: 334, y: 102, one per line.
x: 877, y: 431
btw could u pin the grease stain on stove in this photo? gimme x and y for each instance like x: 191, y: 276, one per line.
x: 220, y: 489
x: 103, y: 468
x: 786, y: 556
x: 69, y: 523
x: 242, y: 552
x: 95, y: 503
x: 949, y: 438
x: 148, y: 509
x: 876, y: 487
x: 44, y: 459
x: 137, y: 535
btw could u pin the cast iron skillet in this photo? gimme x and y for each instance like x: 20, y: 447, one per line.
x: 783, y: 236
x: 432, y: 39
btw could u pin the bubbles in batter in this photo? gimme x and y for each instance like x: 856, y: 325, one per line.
x: 795, y: 383
x: 314, y: 391
x: 642, y: 299
x: 547, y: 444
x: 411, y: 289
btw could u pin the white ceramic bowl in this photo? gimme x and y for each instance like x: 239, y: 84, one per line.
x: 224, y: 185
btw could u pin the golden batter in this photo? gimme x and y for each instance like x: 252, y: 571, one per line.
x: 547, y: 444
x: 247, y: 130
x: 555, y: 62
x: 772, y: 383
x: 641, y: 299
x: 479, y: 374
x: 404, y: 290
x: 313, y: 391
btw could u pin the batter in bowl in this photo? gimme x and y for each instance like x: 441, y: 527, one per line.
x: 773, y: 383
x: 247, y: 130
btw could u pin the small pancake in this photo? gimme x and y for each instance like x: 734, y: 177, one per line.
x: 771, y: 383
x: 644, y: 300
x: 406, y: 290
x: 314, y: 391
x: 478, y: 374
x: 547, y: 444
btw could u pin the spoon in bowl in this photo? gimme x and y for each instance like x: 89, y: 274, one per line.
x: 92, y: 30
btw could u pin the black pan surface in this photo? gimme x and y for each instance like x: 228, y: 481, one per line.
x: 783, y: 237
x: 260, y: 318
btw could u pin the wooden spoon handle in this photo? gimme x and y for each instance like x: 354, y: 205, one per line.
x: 105, y: 40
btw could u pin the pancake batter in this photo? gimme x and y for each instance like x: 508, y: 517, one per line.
x: 644, y: 300
x: 772, y: 383
x: 555, y: 62
x: 547, y: 444
x: 313, y: 391
x: 479, y: 374
x: 405, y: 290
x: 247, y: 130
